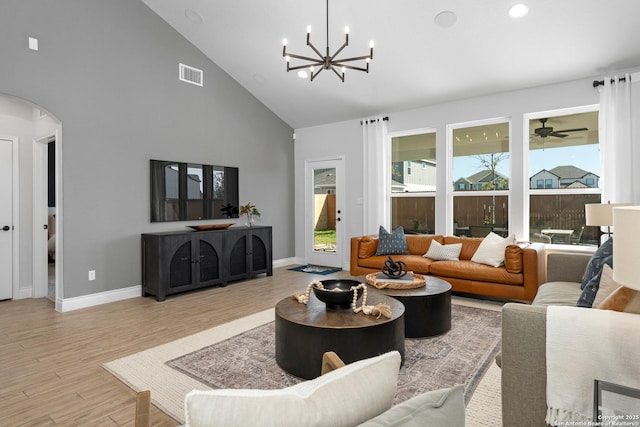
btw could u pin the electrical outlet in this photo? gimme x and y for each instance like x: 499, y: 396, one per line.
x: 92, y: 275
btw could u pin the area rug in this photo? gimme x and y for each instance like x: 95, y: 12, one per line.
x: 315, y: 269
x: 243, y: 356
x: 457, y: 357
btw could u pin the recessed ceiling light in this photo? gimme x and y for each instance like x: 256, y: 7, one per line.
x: 518, y: 10
x: 193, y: 16
x: 303, y: 74
x: 445, y: 19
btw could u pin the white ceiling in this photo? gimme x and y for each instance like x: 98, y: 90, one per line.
x: 416, y: 62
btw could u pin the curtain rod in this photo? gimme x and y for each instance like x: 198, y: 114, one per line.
x: 364, y: 122
x: 597, y: 83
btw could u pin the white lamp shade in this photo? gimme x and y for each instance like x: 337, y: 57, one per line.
x: 596, y: 214
x: 626, y: 256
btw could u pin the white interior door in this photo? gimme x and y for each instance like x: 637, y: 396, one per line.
x: 325, y: 213
x: 6, y: 219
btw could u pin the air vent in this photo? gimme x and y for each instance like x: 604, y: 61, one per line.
x: 190, y: 75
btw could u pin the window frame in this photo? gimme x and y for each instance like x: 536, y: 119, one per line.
x: 528, y: 192
x: 451, y: 193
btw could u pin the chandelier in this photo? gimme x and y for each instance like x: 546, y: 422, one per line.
x: 327, y: 62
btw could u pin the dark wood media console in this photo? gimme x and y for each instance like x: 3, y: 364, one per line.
x: 179, y: 261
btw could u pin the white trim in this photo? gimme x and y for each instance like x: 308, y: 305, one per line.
x: 23, y: 293
x: 15, y: 195
x: 59, y: 214
x: 85, y: 301
x: 39, y: 256
x: 283, y: 262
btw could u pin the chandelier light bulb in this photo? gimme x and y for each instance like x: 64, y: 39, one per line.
x: 287, y: 58
x: 308, y: 29
x: 346, y: 30
x: 368, y: 60
x: 343, y: 69
x: 311, y: 69
x: 284, y: 42
x: 371, y: 43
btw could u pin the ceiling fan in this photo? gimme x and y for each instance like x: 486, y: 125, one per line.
x: 547, y: 131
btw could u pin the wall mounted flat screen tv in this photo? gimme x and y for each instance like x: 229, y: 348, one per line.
x: 192, y: 191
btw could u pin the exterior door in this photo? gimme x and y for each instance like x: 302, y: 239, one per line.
x: 325, y: 208
x: 6, y: 219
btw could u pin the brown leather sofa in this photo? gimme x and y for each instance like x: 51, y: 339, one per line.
x: 517, y: 279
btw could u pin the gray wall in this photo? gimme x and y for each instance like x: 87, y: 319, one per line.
x: 342, y: 138
x: 108, y: 71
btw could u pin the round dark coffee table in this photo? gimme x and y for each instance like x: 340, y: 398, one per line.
x: 427, y: 309
x: 305, y: 332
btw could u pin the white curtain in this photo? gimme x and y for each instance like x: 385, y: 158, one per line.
x: 619, y: 157
x: 376, y: 174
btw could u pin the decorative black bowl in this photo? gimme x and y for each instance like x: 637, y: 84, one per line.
x: 337, y: 293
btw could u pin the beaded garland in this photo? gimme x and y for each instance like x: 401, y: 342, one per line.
x: 377, y: 310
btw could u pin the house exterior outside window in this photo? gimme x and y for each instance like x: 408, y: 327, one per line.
x: 413, y: 189
x: 569, y: 164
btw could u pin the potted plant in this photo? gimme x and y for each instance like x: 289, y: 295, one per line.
x: 251, y: 212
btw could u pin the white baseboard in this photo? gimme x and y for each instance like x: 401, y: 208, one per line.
x: 85, y: 301
x: 283, y: 262
x: 24, y: 293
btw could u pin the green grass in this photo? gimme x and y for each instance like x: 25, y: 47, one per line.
x: 324, y: 236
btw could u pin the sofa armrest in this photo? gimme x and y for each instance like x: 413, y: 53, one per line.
x: 524, y: 365
x: 566, y: 266
x: 531, y: 256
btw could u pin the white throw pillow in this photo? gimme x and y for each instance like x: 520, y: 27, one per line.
x: 491, y: 250
x: 607, y: 285
x: 440, y: 252
x: 346, y: 396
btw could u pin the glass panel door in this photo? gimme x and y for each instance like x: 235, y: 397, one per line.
x: 325, y: 213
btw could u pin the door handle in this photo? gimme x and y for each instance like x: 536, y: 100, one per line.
x: 6, y: 228
x: 338, y: 219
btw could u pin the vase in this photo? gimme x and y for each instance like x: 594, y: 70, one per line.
x: 249, y: 221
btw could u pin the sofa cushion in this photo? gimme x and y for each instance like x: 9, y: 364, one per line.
x: 590, y: 290
x: 558, y: 293
x: 393, y: 243
x: 435, y: 408
x: 469, y: 245
x: 470, y: 270
x: 513, y: 259
x: 368, y: 247
x: 491, y: 250
x: 419, y: 244
x: 440, y: 252
x: 594, y: 266
x: 346, y: 396
x: 416, y: 263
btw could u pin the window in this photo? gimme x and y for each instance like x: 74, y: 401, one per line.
x: 413, y: 189
x: 564, y: 151
x: 481, y: 159
x: 539, y: 183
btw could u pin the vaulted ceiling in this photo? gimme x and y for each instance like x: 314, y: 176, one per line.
x: 420, y: 59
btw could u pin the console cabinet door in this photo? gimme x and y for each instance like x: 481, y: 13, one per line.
x: 178, y: 262
x: 236, y: 251
x: 260, y: 251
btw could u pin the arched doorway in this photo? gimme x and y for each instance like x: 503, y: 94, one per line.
x: 33, y: 238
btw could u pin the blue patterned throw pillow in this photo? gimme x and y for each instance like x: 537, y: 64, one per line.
x: 588, y: 295
x: 393, y: 243
x: 594, y: 267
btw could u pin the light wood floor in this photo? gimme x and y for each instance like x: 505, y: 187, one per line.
x: 51, y: 363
